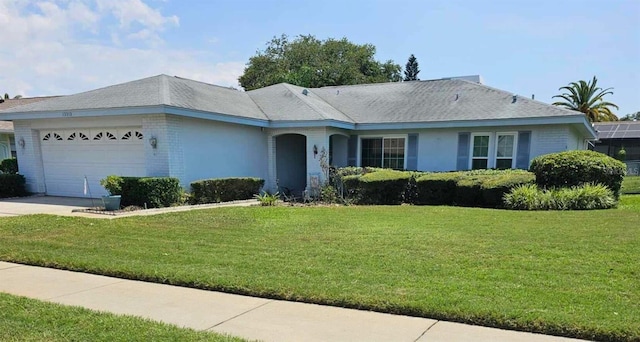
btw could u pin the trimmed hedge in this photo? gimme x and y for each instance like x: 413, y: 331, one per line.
x: 224, y: 189
x: 12, y: 185
x: 382, y: 187
x: 437, y: 188
x: 572, y: 168
x: 155, y: 192
x: 9, y: 165
x: 478, y: 188
x: 494, y: 188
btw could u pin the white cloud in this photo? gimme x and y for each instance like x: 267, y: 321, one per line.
x: 59, y: 47
x: 135, y: 11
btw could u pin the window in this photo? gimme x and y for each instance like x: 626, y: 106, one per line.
x: 371, y: 152
x: 383, y: 152
x: 480, y: 156
x: 493, y: 150
x: 504, y: 151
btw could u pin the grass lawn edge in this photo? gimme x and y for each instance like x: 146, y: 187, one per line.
x: 491, y: 321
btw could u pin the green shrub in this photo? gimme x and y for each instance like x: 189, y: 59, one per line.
x: 9, y: 165
x: 154, y: 192
x: 496, y: 186
x: 437, y: 188
x: 113, y: 184
x: 572, y: 168
x: 469, y: 190
x: 266, y: 199
x: 329, y: 194
x: 527, y: 197
x: 224, y: 189
x: 478, y: 188
x: 411, y: 191
x: 350, y: 171
x: 621, y: 155
x: 379, y: 187
x: 12, y: 185
x: 351, y: 187
x: 582, y: 197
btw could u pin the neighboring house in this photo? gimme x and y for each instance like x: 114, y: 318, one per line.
x: 7, y: 142
x: 170, y: 126
x: 613, y: 136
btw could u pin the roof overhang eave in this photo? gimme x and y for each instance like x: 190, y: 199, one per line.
x: 142, y: 110
x: 576, y: 120
x: 311, y: 123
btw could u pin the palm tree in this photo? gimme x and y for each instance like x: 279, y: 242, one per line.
x: 587, y: 98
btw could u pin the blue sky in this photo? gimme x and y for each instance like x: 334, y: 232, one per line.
x: 526, y: 47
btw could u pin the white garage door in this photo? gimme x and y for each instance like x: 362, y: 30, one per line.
x: 70, y: 155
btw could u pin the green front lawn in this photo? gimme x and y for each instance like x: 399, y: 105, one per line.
x: 631, y: 185
x: 23, y: 319
x: 565, y: 273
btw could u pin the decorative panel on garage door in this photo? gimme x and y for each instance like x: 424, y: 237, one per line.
x: 71, y: 154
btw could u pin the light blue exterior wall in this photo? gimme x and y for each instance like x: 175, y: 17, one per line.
x: 437, y: 148
x: 215, y: 149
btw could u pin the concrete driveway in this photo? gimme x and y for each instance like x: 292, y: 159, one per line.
x: 44, y: 205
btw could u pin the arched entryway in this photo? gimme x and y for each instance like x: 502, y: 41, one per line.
x: 291, y: 163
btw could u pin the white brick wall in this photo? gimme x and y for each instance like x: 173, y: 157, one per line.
x: 157, y: 159
x: 549, y: 140
x: 176, y: 160
x: 29, y: 157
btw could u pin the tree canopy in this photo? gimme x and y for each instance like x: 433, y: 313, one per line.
x: 309, y: 62
x: 7, y: 97
x: 411, y: 70
x: 588, y: 98
x: 631, y: 117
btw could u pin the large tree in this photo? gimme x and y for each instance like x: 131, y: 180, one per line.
x: 411, y: 70
x: 588, y: 98
x: 309, y: 62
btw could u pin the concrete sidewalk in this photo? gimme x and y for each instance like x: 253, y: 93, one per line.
x: 248, y: 317
x: 82, y: 207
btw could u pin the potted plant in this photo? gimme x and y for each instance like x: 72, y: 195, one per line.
x: 113, y: 185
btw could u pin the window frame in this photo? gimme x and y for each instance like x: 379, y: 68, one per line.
x: 492, y: 156
x: 472, y: 144
x: 383, y: 137
x: 514, y: 151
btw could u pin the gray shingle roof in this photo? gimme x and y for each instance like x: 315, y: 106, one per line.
x: 7, y: 126
x: 432, y: 101
x: 154, y: 91
x: 400, y: 102
x: 618, y: 130
x: 286, y: 102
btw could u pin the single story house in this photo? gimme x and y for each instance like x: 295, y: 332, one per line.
x: 616, y: 135
x: 171, y: 126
